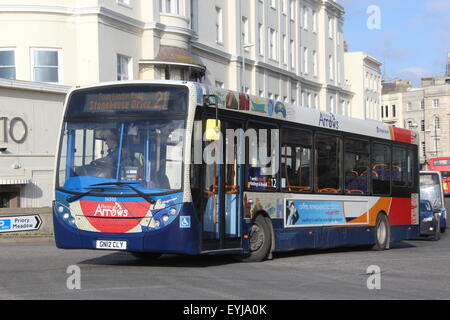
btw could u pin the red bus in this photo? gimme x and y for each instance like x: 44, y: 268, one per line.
x: 442, y: 165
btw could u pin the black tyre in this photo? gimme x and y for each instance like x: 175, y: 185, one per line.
x: 382, y: 233
x: 437, y: 230
x: 146, y: 255
x: 260, y: 241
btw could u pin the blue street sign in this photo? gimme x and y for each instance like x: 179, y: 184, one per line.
x: 5, y: 224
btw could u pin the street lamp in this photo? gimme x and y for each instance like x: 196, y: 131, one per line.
x: 435, y: 137
x: 244, y: 46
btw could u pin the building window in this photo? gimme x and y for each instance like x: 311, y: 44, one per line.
x: 410, y: 124
x: 330, y: 27
x: 382, y: 112
x: 292, y: 54
x: 305, y: 60
x: 170, y: 6
x: 422, y: 104
x: 437, y: 122
x: 123, y: 68
x: 387, y: 111
x: 7, y: 64
x: 272, y: 44
x: 330, y: 67
x: 409, y: 107
x: 126, y: 3
x: 436, y: 103
x: 261, y: 39
x: 292, y: 10
x: 46, y: 65
x: 273, y: 4
x: 219, y: 25
x: 305, y: 18
x: 194, y: 15
x: 245, y: 32
x: 315, y: 63
x: 286, y: 50
x: 284, y: 6
x: 314, y: 21
x: 394, y: 112
x: 423, y: 149
x: 422, y: 125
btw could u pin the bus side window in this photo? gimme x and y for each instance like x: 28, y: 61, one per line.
x: 356, y: 166
x: 296, y: 162
x: 328, y: 160
x: 262, y: 162
x: 381, y: 169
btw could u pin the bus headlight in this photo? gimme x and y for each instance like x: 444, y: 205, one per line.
x: 163, y: 217
x: 65, y: 213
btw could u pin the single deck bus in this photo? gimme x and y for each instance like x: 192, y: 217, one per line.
x: 153, y: 167
x: 442, y: 165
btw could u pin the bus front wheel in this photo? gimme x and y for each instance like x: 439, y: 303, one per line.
x: 146, y: 255
x: 381, y: 233
x: 260, y: 241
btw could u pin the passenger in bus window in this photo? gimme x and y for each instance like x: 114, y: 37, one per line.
x: 103, y: 167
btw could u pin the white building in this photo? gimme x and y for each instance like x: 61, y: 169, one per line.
x: 363, y: 73
x: 293, y: 50
x: 30, y: 114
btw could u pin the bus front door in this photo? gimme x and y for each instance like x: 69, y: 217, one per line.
x: 222, y: 189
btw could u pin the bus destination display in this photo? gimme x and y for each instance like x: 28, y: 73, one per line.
x: 130, y: 101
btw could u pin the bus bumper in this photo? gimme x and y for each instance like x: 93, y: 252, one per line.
x: 174, y: 238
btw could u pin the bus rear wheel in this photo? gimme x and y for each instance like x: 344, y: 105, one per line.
x: 381, y: 233
x: 260, y: 241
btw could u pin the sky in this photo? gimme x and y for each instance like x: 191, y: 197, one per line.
x: 411, y: 37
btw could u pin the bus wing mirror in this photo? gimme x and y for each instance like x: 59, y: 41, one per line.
x: 212, y: 131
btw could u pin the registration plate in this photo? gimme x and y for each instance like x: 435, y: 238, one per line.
x: 111, y: 245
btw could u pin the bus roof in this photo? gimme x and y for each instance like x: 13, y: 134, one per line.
x: 233, y: 100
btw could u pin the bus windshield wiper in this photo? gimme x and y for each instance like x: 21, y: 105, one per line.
x: 78, y: 196
x: 87, y: 193
x: 129, y: 185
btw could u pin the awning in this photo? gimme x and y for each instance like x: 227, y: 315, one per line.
x: 168, y: 55
x: 14, y: 181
